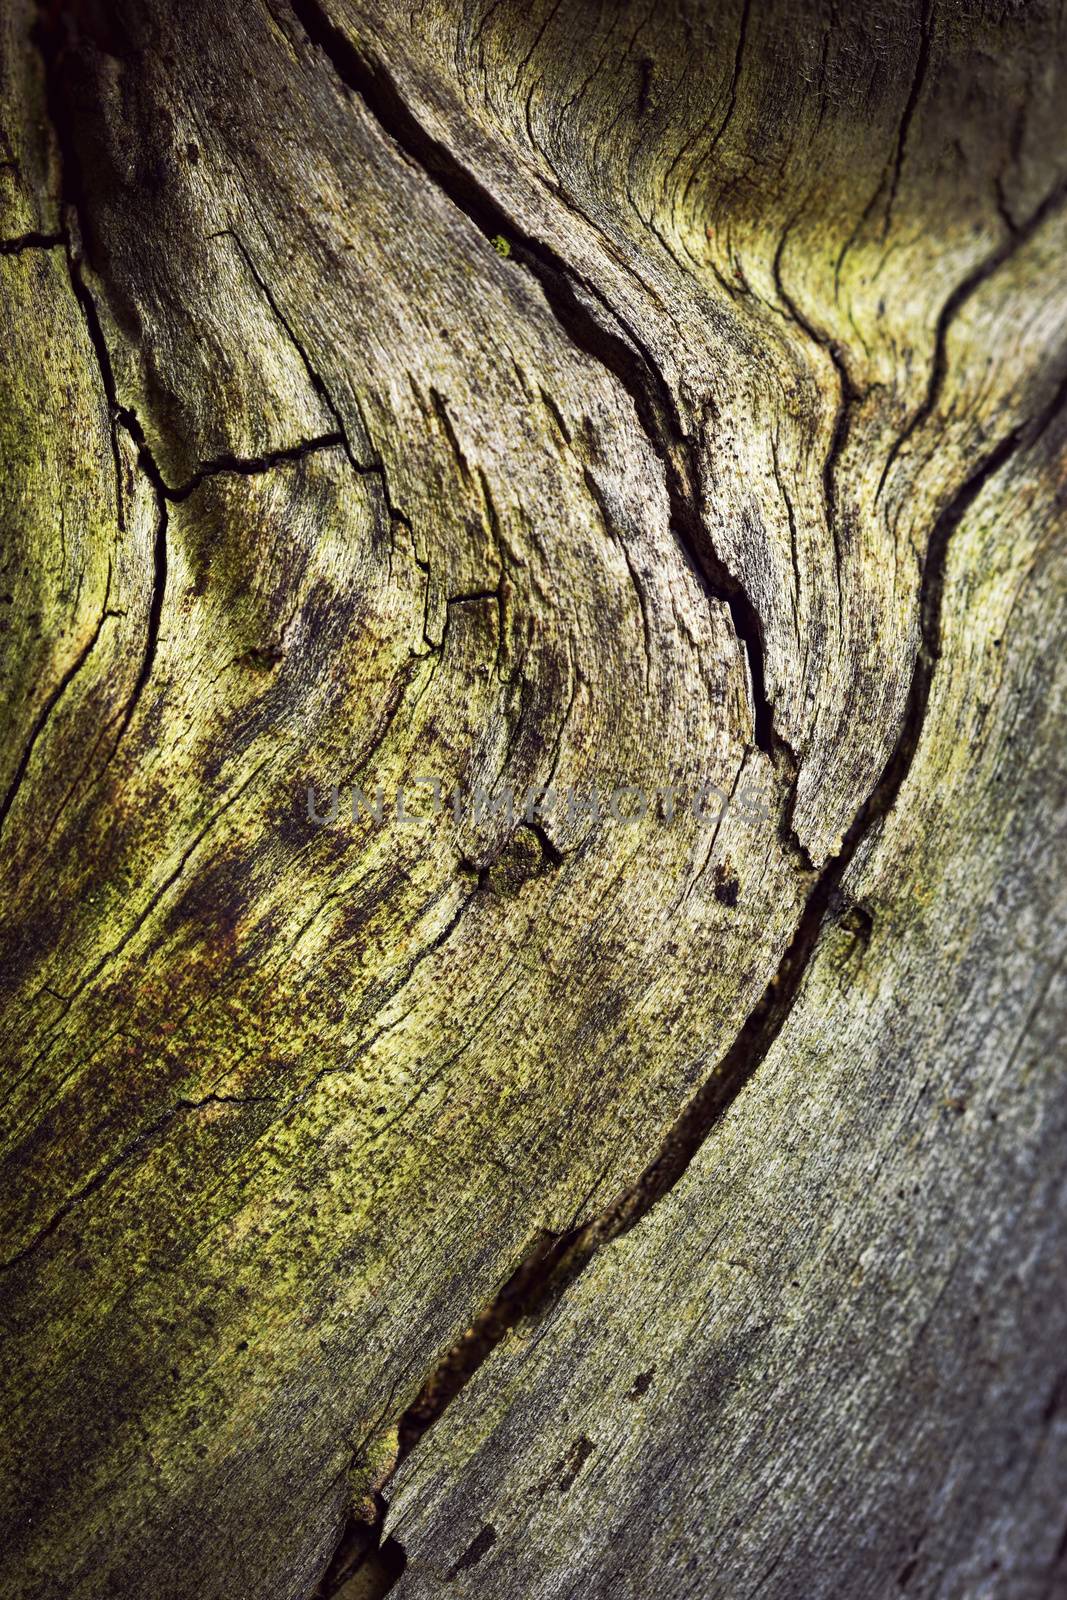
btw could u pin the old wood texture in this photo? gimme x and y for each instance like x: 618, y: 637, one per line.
x: 529, y: 396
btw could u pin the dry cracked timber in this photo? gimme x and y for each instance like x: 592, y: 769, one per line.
x: 539, y: 399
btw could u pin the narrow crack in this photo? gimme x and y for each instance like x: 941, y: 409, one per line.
x: 1020, y: 235
x: 731, y: 104
x: 32, y: 241
x: 922, y: 64
x: 891, y: 171
x: 142, y: 1142
x: 553, y: 1262
x: 848, y: 397
x: 622, y: 352
x: 73, y: 204
x: 253, y: 466
x: 50, y: 704
x: 315, y: 378
x: 1003, y: 208
x: 139, y: 921
x: 159, y: 589
x: 790, y: 512
x: 615, y: 534
x: 72, y: 193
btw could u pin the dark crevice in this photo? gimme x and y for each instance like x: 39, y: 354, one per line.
x: 892, y: 170
x: 551, y: 852
x: 50, y: 704
x: 616, y: 534
x: 315, y: 378
x: 1021, y: 233
x: 362, y: 1550
x: 252, y: 466
x: 554, y: 1261
x: 103, y: 361
x: 922, y: 64
x: 45, y: 38
x: 74, y: 206
x: 621, y: 352
x: 479, y: 1546
x: 657, y: 414
x: 1003, y: 208
x: 787, y: 501
x: 857, y: 229
x: 445, y: 421
x: 703, y: 164
x: 522, y: 1296
x: 735, y: 79
x: 472, y: 597
x: 159, y: 564
x: 31, y: 241
x: 848, y: 397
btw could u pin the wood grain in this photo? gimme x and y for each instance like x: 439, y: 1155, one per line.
x: 524, y: 398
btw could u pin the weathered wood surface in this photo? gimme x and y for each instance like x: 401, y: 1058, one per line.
x: 522, y: 396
